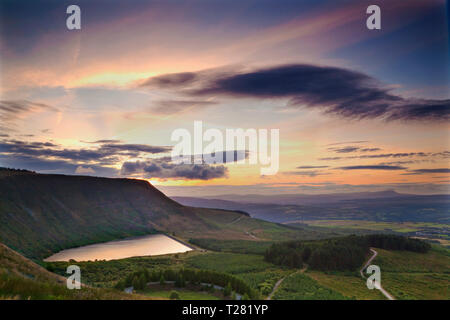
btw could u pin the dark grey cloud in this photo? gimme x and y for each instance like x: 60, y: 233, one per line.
x: 307, y: 173
x: 390, y: 155
x: 133, y: 148
x: 103, y: 141
x: 104, y: 154
x: 331, y: 158
x: 344, y: 149
x: 373, y: 167
x: 348, y: 142
x: 369, y: 149
x: 171, y: 80
x: 44, y: 165
x: 164, y: 168
x: 174, y: 106
x: 424, y: 171
x: 336, y: 91
x: 311, y: 167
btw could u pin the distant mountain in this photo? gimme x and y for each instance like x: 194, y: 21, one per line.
x: 362, y: 206
x: 41, y: 214
x: 209, y: 203
x: 307, y: 199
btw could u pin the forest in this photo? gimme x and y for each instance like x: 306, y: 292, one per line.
x: 338, y: 254
x: 139, y: 279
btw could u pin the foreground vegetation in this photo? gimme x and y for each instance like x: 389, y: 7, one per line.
x: 299, y: 286
x: 411, y: 276
x: 21, y: 278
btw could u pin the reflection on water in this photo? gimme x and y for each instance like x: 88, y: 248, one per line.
x: 151, y: 245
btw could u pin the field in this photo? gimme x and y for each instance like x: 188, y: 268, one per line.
x: 439, y: 232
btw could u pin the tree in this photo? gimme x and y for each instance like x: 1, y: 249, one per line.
x: 142, y: 282
x: 135, y: 283
x: 120, y: 285
x: 174, y: 295
x: 162, y: 281
x: 227, y: 290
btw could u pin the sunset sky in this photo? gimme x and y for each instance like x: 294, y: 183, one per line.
x: 357, y: 109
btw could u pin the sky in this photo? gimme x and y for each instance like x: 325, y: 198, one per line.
x: 356, y: 109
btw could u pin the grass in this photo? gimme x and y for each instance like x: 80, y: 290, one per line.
x: 185, y: 294
x: 417, y: 286
x: 411, y: 276
x: 299, y: 286
x: 349, y: 285
x: 234, y: 246
x: 264, y: 281
x: 229, y: 262
x: 376, y: 225
x: 434, y: 261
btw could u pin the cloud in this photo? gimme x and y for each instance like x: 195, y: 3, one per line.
x: 373, y: 167
x: 344, y: 150
x: 171, y: 80
x: 331, y: 158
x: 336, y: 91
x: 12, y: 110
x: 103, y: 141
x: 444, y: 154
x: 310, y: 173
x: 369, y: 149
x: 174, y: 106
x: 311, y: 167
x: 83, y: 170
x: 425, y: 171
x: 164, y: 168
x: 105, y: 153
x: 348, y: 142
x: 45, y: 165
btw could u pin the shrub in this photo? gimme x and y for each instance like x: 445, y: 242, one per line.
x: 174, y: 295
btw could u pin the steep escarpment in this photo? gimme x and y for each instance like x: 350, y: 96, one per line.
x: 41, y: 214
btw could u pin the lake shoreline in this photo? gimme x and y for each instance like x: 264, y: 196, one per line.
x: 156, y: 244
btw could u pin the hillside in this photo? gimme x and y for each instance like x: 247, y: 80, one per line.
x: 21, y: 278
x: 41, y: 214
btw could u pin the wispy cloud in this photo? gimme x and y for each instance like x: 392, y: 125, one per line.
x: 311, y: 167
x: 373, y: 167
x: 12, y: 110
x: 427, y: 171
x: 336, y: 91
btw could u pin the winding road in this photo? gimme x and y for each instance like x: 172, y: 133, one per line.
x: 384, y: 292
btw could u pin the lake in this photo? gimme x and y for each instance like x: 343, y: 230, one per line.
x: 151, y: 245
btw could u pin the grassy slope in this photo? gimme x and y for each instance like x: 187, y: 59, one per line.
x: 404, y: 274
x: 299, y: 286
x: 20, y: 278
x: 409, y: 275
x: 42, y: 214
